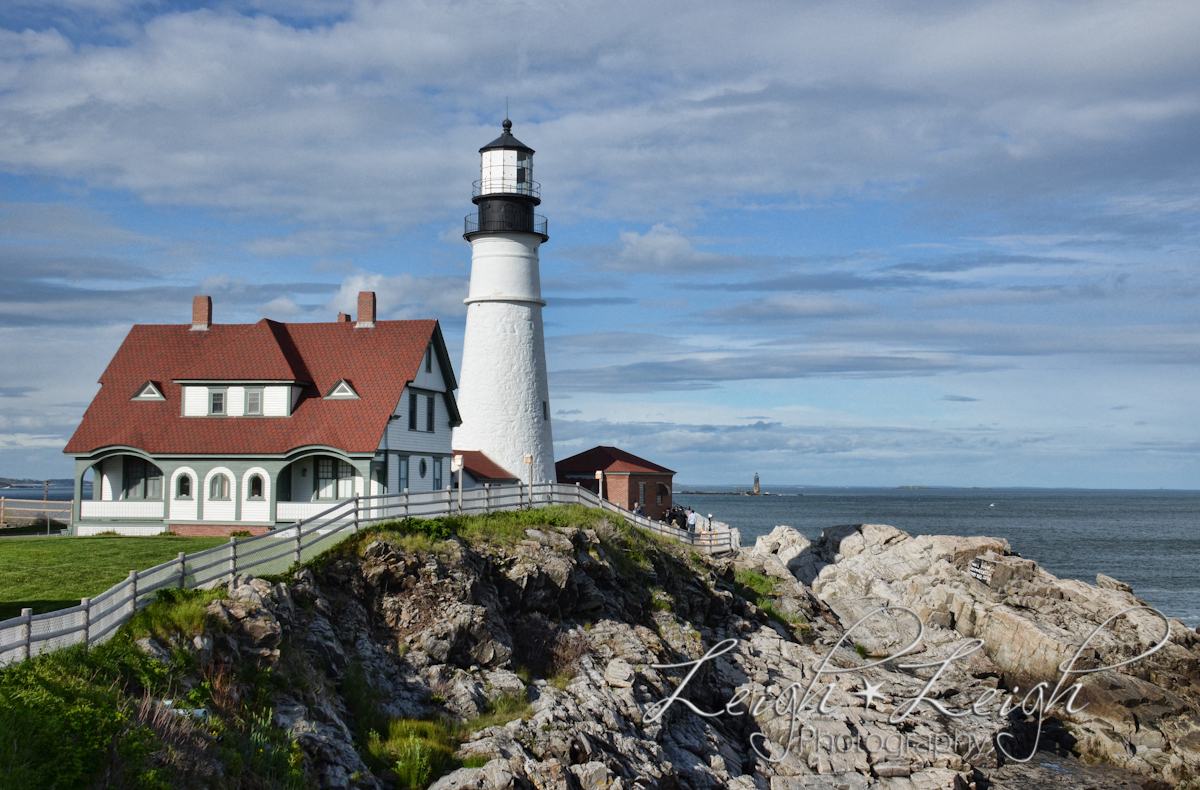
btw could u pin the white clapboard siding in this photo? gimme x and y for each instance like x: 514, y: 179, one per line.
x: 129, y: 509
x: 195, y: 401
x: 256, y: 509
x: 220, y: 509
x: 111, y: 472
x: 275, y: 401
x: 235, y: 401
x: 183, y: 509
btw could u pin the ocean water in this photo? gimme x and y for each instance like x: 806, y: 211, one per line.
x: 1148, y: 539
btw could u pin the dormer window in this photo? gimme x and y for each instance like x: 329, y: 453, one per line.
x: 216, y: 403
x: 254, y: 402
x: 342, y: 391
x: 149, y: 391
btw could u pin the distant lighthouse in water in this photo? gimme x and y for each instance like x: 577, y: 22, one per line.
x: 504, y: 397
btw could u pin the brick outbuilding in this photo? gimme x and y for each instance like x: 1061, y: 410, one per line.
x: 628, y: 480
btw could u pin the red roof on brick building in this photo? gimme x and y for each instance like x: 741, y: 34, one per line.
x: 608, y: 459
x: 378, y: 362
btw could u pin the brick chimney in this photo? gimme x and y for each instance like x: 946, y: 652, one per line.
x: 343, y: 318
x: 366, y: 310
x: 201, y: 313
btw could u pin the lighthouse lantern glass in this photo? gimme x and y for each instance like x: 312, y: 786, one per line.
x: 506, y: 170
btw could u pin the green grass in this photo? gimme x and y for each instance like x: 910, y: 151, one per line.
x: 759, y: 589
x: 182, y: 613
x: 79, y: 718
x: 45, y: 574
x: 503, y: 528
x: 763, y: 585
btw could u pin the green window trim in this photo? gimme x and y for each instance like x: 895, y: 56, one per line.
x: 254, y: 406
x: 218, y: 402
x: 219, y: 488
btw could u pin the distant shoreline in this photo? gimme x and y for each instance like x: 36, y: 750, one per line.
x: 728, y: 493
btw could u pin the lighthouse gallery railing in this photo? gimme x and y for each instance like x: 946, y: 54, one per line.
x: 95, y: 619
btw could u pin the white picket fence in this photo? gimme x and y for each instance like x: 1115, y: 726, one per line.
x: 95, y: 619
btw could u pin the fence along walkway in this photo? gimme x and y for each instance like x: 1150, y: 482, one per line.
x: 95, y: 619
x: 20, y: 512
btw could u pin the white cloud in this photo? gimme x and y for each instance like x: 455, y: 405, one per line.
x: 404, y: 296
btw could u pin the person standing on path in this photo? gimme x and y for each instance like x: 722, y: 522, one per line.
x: 691, y: 520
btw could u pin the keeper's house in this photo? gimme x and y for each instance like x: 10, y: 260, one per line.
x: 211, y: 428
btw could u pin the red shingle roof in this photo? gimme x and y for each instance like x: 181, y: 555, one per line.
x: 378, y: 363
x: 480, y: 467
x: 608, y: 459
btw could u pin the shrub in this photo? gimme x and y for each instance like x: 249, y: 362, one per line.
x: 415, y: 750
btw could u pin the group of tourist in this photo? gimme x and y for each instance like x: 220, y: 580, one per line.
x: 681, y: 517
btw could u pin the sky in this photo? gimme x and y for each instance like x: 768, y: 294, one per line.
x: 833, y: 243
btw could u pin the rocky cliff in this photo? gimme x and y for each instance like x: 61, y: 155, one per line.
x: 573, y: 655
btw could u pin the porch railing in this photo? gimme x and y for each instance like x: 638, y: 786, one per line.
x: 95, y: 619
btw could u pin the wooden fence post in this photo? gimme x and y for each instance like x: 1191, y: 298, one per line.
x: 1, y: 511
x: 356, y: 514
x: 133, y: 600
x: 297, y: 552
x: 487, y: 497
x: 86, y: 603
x: 182, y: 560
x: 232, y: 557
x: 27, y: 614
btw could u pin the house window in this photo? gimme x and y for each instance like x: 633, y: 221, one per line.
x: 345, y: 480
x: 437, y: 474
x: 429, y: 413
x: 641, y: 493
x: 429, y: 360
x: 326, y: 487
x: 404, y: 475
x: 335, y: 479
x: 218, y: 487
x: 183, y: 487
x: 412, y: 411
x: 254, y: 403
x: 256, y: 487
x: 216, y: 402
x: 422, y: 469
x: 142, y: 480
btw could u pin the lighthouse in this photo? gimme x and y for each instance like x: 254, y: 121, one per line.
x: 504, y: 397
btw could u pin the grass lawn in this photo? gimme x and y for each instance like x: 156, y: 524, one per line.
x: 45, y: 574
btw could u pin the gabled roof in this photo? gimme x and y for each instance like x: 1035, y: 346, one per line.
x: 608, y: 459
x: 480, y: 467
x: 247, y: 352
x: 379, y: 361
x: 149, y: 391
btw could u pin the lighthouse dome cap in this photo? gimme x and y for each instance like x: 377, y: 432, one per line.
x: 506, y: 140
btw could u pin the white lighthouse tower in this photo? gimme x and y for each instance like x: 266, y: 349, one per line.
x: 504, y: 397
